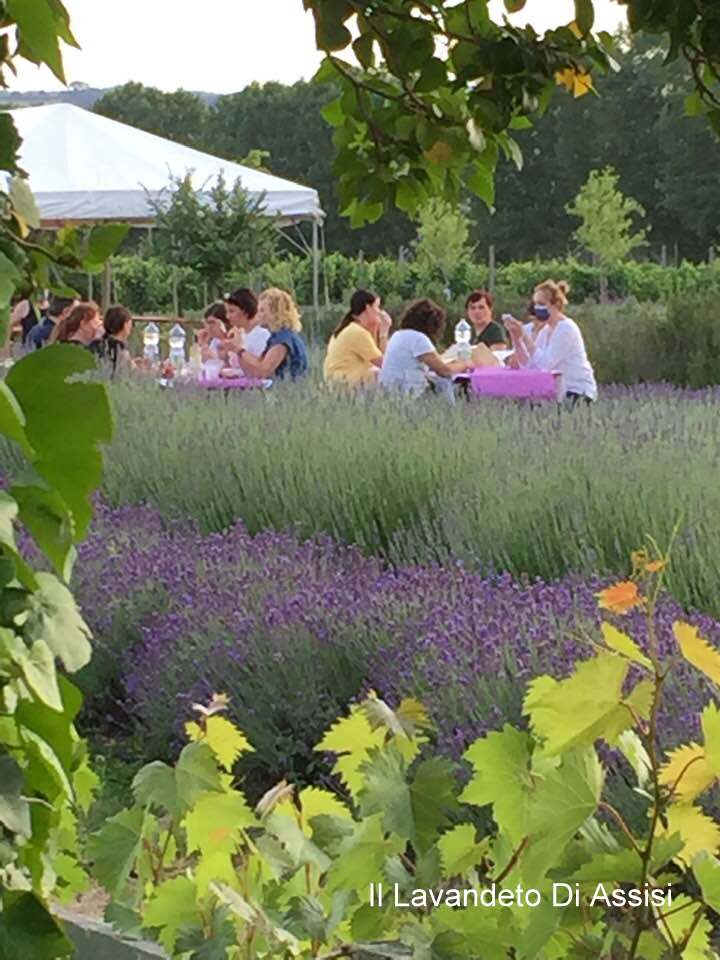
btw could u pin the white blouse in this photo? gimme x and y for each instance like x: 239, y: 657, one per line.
x: 563, y: 349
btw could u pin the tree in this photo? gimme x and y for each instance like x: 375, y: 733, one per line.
x: 218, y: 232
x: 287, y: 123
x: 607, y: 222
x: 440, y: 87
x: 443, y: 235
x: 178, y: 116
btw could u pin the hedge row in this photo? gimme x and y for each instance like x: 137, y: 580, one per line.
x: 145, y: 285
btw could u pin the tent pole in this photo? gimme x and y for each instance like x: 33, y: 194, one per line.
x: 316, y: 269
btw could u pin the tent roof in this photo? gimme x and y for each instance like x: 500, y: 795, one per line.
x: 85, y: 168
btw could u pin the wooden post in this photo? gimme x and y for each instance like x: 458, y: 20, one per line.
x: 91, y: 289
x: 205, y: 293
x: 175, y: 299
x: 711, y: 255
x: 107, y: 285
x: 676, y: 255
x: 663, y: 256
x: 491, y: 265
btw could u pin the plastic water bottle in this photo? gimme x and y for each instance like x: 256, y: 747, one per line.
x: 177, y: 347
x: 151, y: 343
x: 463, y: 337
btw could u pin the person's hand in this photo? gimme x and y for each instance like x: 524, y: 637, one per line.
x: 385, y: 324
x: 513, y: 326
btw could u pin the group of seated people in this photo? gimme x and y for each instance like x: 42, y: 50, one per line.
x: 361, y: 350
x: 261, y: 337
x: 65, y: 320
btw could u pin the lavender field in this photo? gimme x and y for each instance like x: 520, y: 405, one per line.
x: 498, y: 487
x: 294, y: 631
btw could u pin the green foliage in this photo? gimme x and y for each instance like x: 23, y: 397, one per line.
x: 607, y: 221
x: 302, y: 873
x: 221, y: 232
x: 57, y: 425
x: 442, y: 242
x: 179, y: 116
x: 410, y: 125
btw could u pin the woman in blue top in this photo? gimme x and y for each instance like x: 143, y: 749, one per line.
x: 285, y: 356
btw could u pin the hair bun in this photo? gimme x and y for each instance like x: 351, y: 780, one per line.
x: 564, y: 287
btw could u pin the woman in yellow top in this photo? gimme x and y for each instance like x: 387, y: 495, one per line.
x: 356, y: 348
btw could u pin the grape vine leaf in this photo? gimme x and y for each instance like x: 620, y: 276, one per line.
x: 563, y: 800
x: 351, y: 738
x: 625, y: 645
x: 681, y: 920
x: 501, y: 776
x: 686, y: 773
x: 14, y: 808
x: 706, y: 868
x: 115, y: 848
x: 172, y: 910
x: 362, y: 856
x: 215, y: 822
x: 315, y: 802
x: 460, y: 851
x: 586, y: 706
x: 711, y: 736
x: 54, y: 618
x: 698, y: 831
x: 697, y: 651
x: 224, y: 739
x: 28, y: 930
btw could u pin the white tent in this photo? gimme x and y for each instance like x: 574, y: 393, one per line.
x: 84, y: 169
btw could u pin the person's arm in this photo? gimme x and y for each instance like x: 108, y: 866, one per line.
x: 263, y: 367
x: 447, y: 370
x: 565, y: 341
x: 20, y: 311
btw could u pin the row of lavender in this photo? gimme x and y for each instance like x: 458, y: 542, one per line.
x: 292, y: 631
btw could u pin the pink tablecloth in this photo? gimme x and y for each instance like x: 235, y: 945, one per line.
x: 525, y: 384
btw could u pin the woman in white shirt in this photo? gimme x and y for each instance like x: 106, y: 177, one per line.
x: 559, y: 346
x: 411, y: 355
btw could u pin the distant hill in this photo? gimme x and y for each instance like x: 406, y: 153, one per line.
x: 79, y: 95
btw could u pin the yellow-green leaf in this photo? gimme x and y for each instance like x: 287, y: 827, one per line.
x: 352, y: 738
x: 698, y: 831
x: 686, y: 772
x: 579, y: 710
x: 215, y: 822
x: 224, y: 739
x: 316, y: 802
x: 697, y: 651
x: 625, y: 645
x: 711, y: 735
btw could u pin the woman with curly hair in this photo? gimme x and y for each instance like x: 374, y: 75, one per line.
x: 285, y: 355
x: 82, y: 326
x: 412, y: 358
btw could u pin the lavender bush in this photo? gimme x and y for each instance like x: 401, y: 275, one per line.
x: 498, y: 486
x: 292, y: 631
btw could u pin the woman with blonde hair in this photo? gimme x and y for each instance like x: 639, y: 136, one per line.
x: 559, y: 346
x: 83, y: 325
x: 285, y: 355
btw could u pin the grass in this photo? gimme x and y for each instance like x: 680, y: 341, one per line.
x: 494, y: 486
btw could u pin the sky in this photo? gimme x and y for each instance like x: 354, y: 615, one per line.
x: 219, y: 46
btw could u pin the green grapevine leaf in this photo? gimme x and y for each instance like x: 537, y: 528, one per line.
x: 14, y: 810
x: 283, y: 823
x: 583, y: 708
x: 362, y: 856
x: 501, y: 776
x: 196, y: 773
x: 155, y: 786
x: 562, y: 802
x: 215, y: 822
x: 315, y: 802
x: 706, y: 868
x: 681, y: 920
x: 352, y: 738
x: 460, y: 851
x: 55, y: 619
x: 28, y: 930
x: 711, y: 735
x: 224, y: 739
x: 115, y: 848
x: 173, y: 909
